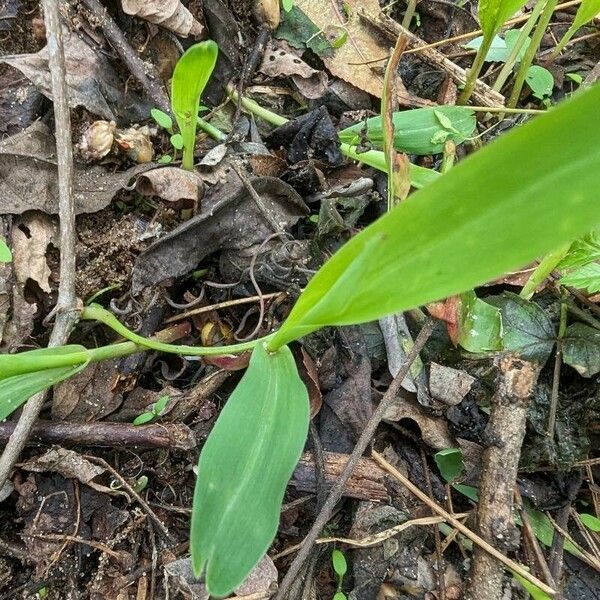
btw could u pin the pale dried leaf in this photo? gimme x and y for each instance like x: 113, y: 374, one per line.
x: 278, y: 61
x: 352, y: 61
x: 170, y: 14
x: 449, y: 385
x: 31, y: 235
x: 171, y: 184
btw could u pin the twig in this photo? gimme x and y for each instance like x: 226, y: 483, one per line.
x: 151, y: 514
x: 558, y: 358
x: 65, y: 308
x: 505, y: 432
x: 363, y: 441
x: 483, y: 94
x: 134, y: 63
x: 174, y: 436
x: 452, y: 520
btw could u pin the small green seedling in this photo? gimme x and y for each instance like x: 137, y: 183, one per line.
x: 472, y: 224
x: 156, y: 410
x: 191, y: 74
x: 176, y: 139
x: 340, y: 567
x: 5, y: 253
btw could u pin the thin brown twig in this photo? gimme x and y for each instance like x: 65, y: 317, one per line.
x: 66, y: 305
x: 452, y: 520
x: 134, y: 63
x: 363, y: 441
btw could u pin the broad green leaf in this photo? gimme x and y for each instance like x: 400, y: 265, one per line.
x: 5, y: 253
x: 498, y: 51
x: 587, y: 10
x: 582, y: 251
x: 533, y: 590
x: 177, y: 141
x: 144, y: 418
x: 287, y: 5
x: 244, y: 469
x: 479, y: 325
x: 339, y: 563
x: 540, y: 80
x: 581, y: 349
x: 472, y: 493
x: 16, y: 390
x: 511, y: 37
x: 586, y: 277
x: 519, y: 197
x: 544, y: 530
x: 527, y: 329
x: 591, y: 522
x: 415, y: 129
x: 450, y: 463
x: 162, y: 118
x: 191, y: 74
x: 493, y: 14
x: 44, y: 358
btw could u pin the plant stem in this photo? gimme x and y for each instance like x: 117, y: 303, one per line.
x: 523, y: 35
x: 543, y: 270
x: 211, y: 130
x: 95, y: 312
x: 409, y: 14
x: 473, y: 72
x: 531, y: 51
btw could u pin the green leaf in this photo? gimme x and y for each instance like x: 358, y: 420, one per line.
x: 5, y: 253
x: 467, y: 490
x: 450, y: 463
x: 177, y: 141
x: 297, y: 29
x: 144, y: 418
x: 191, y: 74
x: 498, y: 51
x: 492, y: 213
x: 415, y: 129
x: 511, y: 37
x: 165, y: 159
x: 161, y: 404
x: 162, y: 118
x: 44, y: 358
x: 582, y: 251
x: 527, y: 328
x: 340, y: 596
x: 591, y: 522
x: 544, y: 531
x: 493, y: 14
x: 540, y: 80
x: 287, y: 5
x: 338, y: 560
x: 244, y: 468
x: 581, y: 349
x: 533, y: 590
x: 479, y: 325
x: 576, y: 77
x: 587, y: 10
x: 586, y: 277
x: 16, y: 390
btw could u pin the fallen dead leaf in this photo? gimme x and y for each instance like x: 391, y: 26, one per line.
x: 171, y: 184
x: 92, y: 82
x: 352, y: 60
x: 32, y: 233
x: 29, y: 176
x: 170, y: 14
x: 449, y: 385
x: 279, y: 61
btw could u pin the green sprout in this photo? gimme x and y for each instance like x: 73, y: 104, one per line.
x: 340, y: 566
x: 5, y: 253
x: 156, y: 410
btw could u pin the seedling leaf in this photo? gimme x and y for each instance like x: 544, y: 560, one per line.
x: 191, y: 74
x: 450, y: 463
x: 162, y: 118
x: 340, y: 566
x: 467, y: 227
x: 144, y: 418
x: 244, y: 469
x: 5, y: 253
x: 540, y: 81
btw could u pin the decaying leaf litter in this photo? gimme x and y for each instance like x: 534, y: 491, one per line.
x: 99, y: 507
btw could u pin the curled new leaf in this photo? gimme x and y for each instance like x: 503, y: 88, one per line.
x: 494, y: 212
x: 244, y: 469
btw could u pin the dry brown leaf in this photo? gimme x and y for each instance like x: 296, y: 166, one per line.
x: 32, y: 234
x: 352, y: 61
x: 29, y: 176
x: 170, y: 14
x: 171, y: 184
x: 449, y: 385
x: 278, y: 61
x: 92, y: 82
